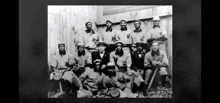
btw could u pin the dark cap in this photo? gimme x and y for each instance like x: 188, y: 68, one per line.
x: 101, y: 43
x: 108, y: 21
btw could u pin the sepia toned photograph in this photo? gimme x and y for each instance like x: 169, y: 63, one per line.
x: 110, y: 51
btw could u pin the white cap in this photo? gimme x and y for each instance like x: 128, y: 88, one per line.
x: 80, y: 44
x: 111, y: 64
x: 156, y: 18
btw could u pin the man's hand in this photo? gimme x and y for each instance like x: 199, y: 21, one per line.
x: 103, y: 66
x: 158, y: 64
x: 154, y: 63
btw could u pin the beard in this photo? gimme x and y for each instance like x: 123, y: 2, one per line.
x: 153, y: 53
x: 111, y: 74
x: 62, y: 52
x: 81, y: 53
x: 97, y: 70
x: 123, y: 28
x: 119, y: 52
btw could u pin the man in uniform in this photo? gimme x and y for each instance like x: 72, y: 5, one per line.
x: 122, y: 60
x: 82, y: 60
x: 158, y: 33
x: 109, y: 36
x: 101, y: 54
x: 69, y: 82
x: 117, y: 82
x: 139, y: 35
x: 123, y: 35
x: 92, y: 78
x: 90, y: 38
x: 154, y: 59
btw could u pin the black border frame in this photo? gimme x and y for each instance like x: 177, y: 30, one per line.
x: 33, y: 77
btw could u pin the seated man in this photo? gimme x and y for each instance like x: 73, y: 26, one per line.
x: 92, y: 78
x: 82, y: 60
x: 138, y: 61
x: 123, y: 58
x: 101, y: 54
x: 156, y: 59
x: 61, y: 65
x: 118, y: 80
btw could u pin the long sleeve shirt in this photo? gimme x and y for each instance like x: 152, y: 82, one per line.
x: 124, y: 59
x: 60, y: 61
x: 139, y: 36
x: 90, y: 39
x: 162, y: 58
x: 124, y: 36
x: 83, y: 59
x: 109, y: 37
x: 93, y: 79
x: 157, y: 32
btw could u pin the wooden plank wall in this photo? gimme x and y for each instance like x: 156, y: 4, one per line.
x: 65, y: 23
x: 146, y: 15
x: 62, y: 20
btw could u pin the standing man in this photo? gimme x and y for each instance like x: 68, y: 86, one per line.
x: 158, y: 33
x: 109, y: 36
x: 138, y: 34
x: 123, y: 35
x: 156, y: 58
x: 101, y: 54
x: 82, y: 60
x: 90, y: 38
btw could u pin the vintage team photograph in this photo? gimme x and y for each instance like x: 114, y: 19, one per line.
x: 110, y: 51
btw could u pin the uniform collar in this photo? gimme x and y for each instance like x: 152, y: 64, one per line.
x: 124, y: 29
x: 155, y: 53
x: 156, y: 26
x: 139, y: 30
x: 88, y: 31
x: 109, y: 29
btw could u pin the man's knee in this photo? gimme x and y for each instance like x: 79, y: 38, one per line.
x: 69, y: 75
x: 163, y: 71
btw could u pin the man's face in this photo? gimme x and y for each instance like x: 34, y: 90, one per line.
x: 139, y: 48
x: 156, y: 22
x: 61, y: 47
x: 119, y: 46
x: 109, y: 25
x: 155, y: 46
x: 80, y: 48
x: 137, y: 25
x: 101, y: 48
x: 123, y: 24
x: 98, y: 65
x: 111, y: 70
x: 89, y: 26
